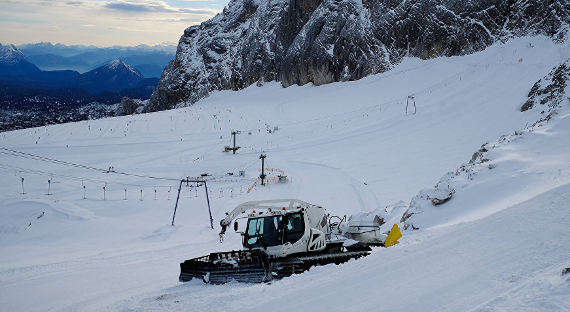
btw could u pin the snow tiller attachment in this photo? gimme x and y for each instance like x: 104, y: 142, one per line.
x: 284, y: 237
x: 247, y: 266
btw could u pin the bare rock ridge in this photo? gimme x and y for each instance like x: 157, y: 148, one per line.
x: 322, y: 41
x: 550, y: 89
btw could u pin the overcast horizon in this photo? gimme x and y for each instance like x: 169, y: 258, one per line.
x: 91, y: 45
x: 102, y: 23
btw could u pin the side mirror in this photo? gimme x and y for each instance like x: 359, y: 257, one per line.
x: 236, y: 226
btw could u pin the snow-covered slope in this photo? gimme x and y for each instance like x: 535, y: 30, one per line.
x: 519, y: 170
x: 510, y: 261
x: 499, y: 243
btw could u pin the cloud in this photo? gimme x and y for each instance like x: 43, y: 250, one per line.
x: 152, y: 6
x: 199, y: 11
x: 101, y: 22
x: 136, y: 7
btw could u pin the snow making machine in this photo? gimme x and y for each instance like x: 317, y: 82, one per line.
x: 284, y: 237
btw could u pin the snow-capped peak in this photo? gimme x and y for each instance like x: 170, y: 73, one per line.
x: 9, y: 54
x: 117, y: 63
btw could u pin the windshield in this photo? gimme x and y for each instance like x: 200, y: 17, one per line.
x: 294, y: 228
x: 272, y: 231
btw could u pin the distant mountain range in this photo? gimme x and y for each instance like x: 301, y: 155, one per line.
x: 114, y: 76
x: 148, y: 60
x: 30, y: 96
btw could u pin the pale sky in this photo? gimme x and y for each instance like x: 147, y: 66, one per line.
x: 102, y: 22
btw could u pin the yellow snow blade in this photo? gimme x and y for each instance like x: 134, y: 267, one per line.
x: 393, y: 236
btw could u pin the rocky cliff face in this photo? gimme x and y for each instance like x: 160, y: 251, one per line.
x: 321, y: 41
x: 550, y: 89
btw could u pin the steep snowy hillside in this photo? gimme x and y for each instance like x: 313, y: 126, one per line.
x: 102, y: 239
x: 321, y: 41
x: 519, y: 170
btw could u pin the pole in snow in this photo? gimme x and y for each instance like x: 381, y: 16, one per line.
x: 141, y: 194
x: 411, y: 99
x: 104, y: 192
x: 209, y: 210
x: 262, y: 176
x: 23, y: 192
x: 155, y: 194
x: 84, y: 197
x: 235, y: 148
x: 177, y: 197
x: 125, y: 193
x: 49, y: 187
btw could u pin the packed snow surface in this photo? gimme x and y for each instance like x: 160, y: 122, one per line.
x: 102, y: 240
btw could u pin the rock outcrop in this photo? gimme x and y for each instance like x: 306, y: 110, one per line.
x: 321, y: 41
x: 550, y: 89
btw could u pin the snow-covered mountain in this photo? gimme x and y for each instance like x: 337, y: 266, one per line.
x: 114, y: 76
x: 118, y: 65
x: 297, y: 42
x: 13, y: 63
x: 9, y: 54
x: 485, y: 184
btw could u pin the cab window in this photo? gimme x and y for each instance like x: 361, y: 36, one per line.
x: 294, y: 228
x: 264, y: 231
